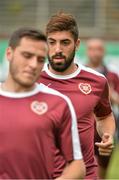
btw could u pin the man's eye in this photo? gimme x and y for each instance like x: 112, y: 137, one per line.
x: 51, y: 42
x: 26, y: 55
x: 41, y: 60
x: 66, y: 43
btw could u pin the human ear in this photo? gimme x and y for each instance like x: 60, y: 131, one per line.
x: 9, y: 53
x: 77, y: 43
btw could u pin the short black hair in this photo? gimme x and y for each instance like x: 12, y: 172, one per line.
x: 28, y: 33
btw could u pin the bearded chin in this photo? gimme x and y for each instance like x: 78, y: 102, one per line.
x: 61, y: 67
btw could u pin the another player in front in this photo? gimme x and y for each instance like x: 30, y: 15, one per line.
x: 34, y: 119
x: 87, y: 89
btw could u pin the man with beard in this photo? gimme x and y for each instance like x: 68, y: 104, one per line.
x: 34, y: 119
x: 87, y: 89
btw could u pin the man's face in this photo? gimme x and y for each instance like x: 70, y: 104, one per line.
x: 95, y: 51
x: 62, y: 49
x: 26, y: 61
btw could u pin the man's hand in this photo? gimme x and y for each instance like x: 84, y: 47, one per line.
x: 106, y: 145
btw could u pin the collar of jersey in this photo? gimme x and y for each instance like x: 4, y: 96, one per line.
x: 38, y: 88
x: 57, y: 76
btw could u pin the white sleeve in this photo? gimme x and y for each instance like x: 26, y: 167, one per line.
x: 75, y: 135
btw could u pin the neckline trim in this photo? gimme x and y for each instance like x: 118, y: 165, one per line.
x: 36, y: 90
x: 57, y: 76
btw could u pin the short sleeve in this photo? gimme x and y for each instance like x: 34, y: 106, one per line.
x: 103, y: 108
x: 116, y: 83
x: 113, y: 80
x: 68, y: 135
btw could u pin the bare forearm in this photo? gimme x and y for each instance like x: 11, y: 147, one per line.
x: 74, y: 170
x: 106, y: 130
x: 106, y: 125
x: 114, y: 96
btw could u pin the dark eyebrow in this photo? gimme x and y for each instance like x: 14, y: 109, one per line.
x: 51, y: 39
x: 27, y: 52
x: 32, y: 54
x: 60, y: 40
x: 65, y: 40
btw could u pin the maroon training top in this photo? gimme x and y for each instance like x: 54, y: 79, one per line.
x: 32, y: 125
x: 89, y: 93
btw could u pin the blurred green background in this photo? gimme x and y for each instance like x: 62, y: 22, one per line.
x: 95, y: 18
x: 112, y: 51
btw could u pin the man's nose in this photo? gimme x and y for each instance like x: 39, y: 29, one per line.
x: 58, y: 48
x: 33, y: 63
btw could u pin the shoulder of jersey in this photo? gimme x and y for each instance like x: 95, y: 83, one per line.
x: 90, y: 70
x: 45, y: 89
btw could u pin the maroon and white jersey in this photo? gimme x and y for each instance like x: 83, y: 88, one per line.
x: 32, y: 125
x: 89, y: 93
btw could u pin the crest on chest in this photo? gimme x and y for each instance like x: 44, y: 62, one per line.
x: 39, y: 107
x: 85, y: 88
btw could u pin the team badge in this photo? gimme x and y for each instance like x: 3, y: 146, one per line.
x: 85, y: 88
x: 39, y: 107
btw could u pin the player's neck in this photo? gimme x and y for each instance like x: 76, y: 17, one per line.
x: 73, y: 67
x: 11, y: 86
